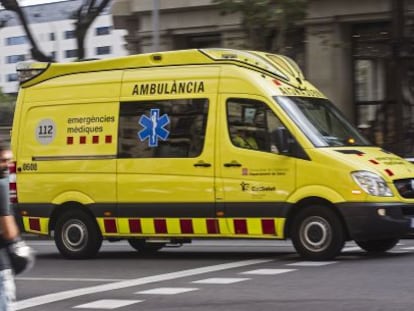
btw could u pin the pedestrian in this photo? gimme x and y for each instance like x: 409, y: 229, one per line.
x: 15, y: 255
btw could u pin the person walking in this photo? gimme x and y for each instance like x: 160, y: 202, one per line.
x: 15, y: 255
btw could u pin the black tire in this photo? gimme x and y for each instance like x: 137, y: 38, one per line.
x: 317, y: 233
x: 378, y: 246
x: 77, y: 235
x: 143, y: 247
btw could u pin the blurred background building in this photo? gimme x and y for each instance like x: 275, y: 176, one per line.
x: 359, y: 53
x: 53, y: 28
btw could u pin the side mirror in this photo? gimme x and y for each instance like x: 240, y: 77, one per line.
x: 284, y: 141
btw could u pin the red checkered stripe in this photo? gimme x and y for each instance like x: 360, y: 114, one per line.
x: 85, y: 140
x: 193, y: 226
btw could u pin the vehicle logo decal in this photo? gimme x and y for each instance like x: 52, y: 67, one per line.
x: 153, y: 127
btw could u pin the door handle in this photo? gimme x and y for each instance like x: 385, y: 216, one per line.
x: 202, y: 164
x: 232, y: 164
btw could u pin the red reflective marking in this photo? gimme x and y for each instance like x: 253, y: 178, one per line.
x: 389, y: 172
x: 34, y: 224
x: 186, y: 226
x: 240, y: 226
x: 108, y: 139
x: 373, y: 161
x: 212, y: 226
x: 69, y: 140
x: 160, y: 225
x: 110, y: 226
x: 268, y: 226
x: 82, y: 140
x: 277, y: 82
x: 95, y: 140
x: 135, y: 226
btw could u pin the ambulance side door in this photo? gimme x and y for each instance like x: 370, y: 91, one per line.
x: 165, y: 152
x: 254, y: 178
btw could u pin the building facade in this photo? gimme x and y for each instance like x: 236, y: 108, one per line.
x: 54, y: 32
x: 359, y: 53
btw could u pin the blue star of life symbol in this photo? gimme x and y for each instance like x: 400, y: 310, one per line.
x: 153, y: 127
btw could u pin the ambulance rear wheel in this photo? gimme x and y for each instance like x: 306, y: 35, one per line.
x: 77, y: 235
x: 143, y: 247
x: 378, y: 246
x: 317, y: 233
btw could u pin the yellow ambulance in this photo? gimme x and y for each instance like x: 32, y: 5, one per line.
x: 163, y: 148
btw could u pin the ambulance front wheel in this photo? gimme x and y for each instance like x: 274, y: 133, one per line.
x: 77, y: 235
x: 378, y: 246
x: 317, y: 233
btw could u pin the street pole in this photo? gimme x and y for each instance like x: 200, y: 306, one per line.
x: 397, y: 40
x: 156, y: 26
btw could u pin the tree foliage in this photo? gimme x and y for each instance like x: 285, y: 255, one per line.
x: 267, y: 23
x: 84, y: 17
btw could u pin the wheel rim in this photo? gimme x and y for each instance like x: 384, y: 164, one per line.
x: 315, y: 234
x: 74, y: 235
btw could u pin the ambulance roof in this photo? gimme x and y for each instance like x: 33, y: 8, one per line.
x: 279, y: 66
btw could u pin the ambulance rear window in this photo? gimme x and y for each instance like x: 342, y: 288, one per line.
x: 162, y: 129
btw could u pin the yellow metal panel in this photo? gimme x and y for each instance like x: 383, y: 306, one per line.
x: 254, y: 226
x: 147, y: 225
x: 123, y: 225
x: 199, y: 226
x: 173, y: 226
x: 280, y: 227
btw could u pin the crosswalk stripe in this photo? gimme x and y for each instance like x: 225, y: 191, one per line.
x: 107, y: 304
x: 220, y: 280
x: 167, y: 291
x: 48, y: 298
x: 268, y: 271
x: 311, y: 263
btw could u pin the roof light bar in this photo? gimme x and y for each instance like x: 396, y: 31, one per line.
x: 28, y: 70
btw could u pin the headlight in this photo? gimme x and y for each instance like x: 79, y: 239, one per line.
x: 372, y: 183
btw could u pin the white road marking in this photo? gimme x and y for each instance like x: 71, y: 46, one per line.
x: 268, y: 271
x: 311, y: 263
x: 220, y: 280
x: 107, y: 304
x: 67, y: 279
x: 351, y: 249
x: 167, y: 291
x: 398, y: 251
x: 44, y: 299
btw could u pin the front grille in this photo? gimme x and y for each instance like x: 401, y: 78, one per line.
x: 405, y: 187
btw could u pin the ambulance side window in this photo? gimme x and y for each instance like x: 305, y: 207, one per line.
x: 162, y: 128
x: 251, y: 125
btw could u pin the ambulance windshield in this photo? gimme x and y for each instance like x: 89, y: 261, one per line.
x: 321, y: 122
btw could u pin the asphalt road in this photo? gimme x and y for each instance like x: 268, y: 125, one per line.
x: 218, y: 275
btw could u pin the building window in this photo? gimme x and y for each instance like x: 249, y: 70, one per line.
x: 180, y: 127
x: 102, y: 31
x: 52, y: 36
x: 71, y: 53
x: 12, y: 59
x: 103, y: 50
x: 53, y: 55
x: 16, y: 40
x: 69, y: 34
x: 11, y: 77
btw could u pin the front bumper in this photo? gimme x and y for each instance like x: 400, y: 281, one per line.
x: 364, y: 222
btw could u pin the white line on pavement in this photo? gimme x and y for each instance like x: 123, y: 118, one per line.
x: 67, y: 279
x: 41, y: 300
